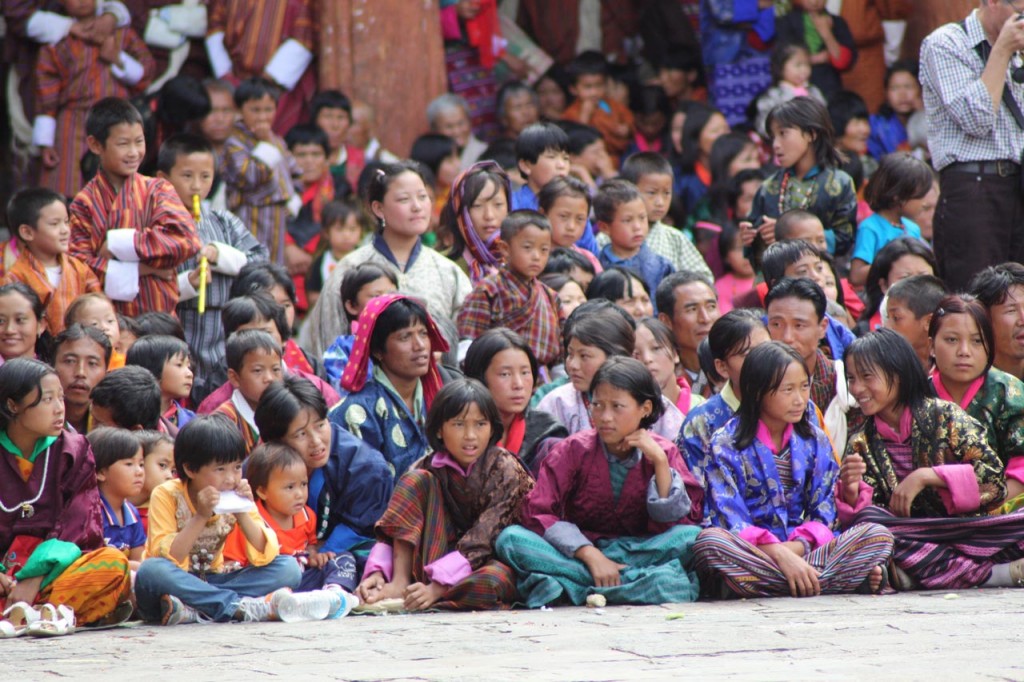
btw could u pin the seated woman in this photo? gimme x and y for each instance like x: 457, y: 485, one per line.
x: 349, y: 482
x: 502, y: 361
x: 596, y: 331
x: 769, y: 496
x: 923, y: 468
x: 387, y: 405
x: 435, y: 544
x: 479, y: 201
x: 963, y: 347
x: 614, y: 511
x: 51, y: 528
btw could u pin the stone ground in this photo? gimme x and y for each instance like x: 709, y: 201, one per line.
x: 912, y: 636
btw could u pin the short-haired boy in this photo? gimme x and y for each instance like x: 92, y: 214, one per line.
x: 621, y: 214
x: 120, y: 476
x: 128, y: 398
x: 565, y: 202
x: 513, y: 297
x: 39, y: 219
x: 254, y: 362
x: 133, y: 231
x: 168, y: 359
x: 589, y: 75
x: 331, y: 111
x: 188, y: 162
x: 910, y: 304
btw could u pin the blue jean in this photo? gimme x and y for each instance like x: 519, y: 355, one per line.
x: 341, y: 570
x: 218, y: 596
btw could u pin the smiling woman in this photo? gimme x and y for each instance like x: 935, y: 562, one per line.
x: 21, y: 321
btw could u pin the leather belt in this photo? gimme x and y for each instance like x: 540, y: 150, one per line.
x: 1004, y: 169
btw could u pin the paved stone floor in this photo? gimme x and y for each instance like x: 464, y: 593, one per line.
x: 915, y: 636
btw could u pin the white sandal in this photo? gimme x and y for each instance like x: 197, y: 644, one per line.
x: 17, y: 619
x: 54, y: 621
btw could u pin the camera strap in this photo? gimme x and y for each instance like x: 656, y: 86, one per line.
x: 984, y: 50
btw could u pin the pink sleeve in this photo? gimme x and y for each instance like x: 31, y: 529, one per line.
x: 450, y: 29
x: 961, y: 494
x: 847, y: 512
x: 450, y: 569
x: 1015, y: 469
x: 757, y: 536
x: 814, y: 532
x: 380, y: 560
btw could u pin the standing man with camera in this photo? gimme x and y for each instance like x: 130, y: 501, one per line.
x: 972, y: 77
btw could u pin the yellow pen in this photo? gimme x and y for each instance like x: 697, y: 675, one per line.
x: 204, y: 264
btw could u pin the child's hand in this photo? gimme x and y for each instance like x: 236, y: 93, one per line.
x: 767, y: 230
x: 747, y: 233
x: 851, y: 473
x: 297, y: 260
x: 211, y: 253
x: 318, y: 559
x: 244, y: 490
x: 587, y: 109
x: 641, y: 439
x: 50, y: 157
x: 604, y: 571
x: 822, y: 22
x: 372, y: 587
x: 160, y: 273
x: 6, y: 583
x: 605, y: 168
x: 419, y: 597
x: 193, y: 279
x: 263, y: 132
x: 206, y: 500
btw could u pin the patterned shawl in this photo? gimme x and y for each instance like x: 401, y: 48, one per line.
x: 481, y: 257
x: 357, y: 371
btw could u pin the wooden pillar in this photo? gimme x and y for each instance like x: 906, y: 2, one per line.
x: 388, y: 53
x: 927, y: 16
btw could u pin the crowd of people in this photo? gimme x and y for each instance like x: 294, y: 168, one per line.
x: 721, y: 332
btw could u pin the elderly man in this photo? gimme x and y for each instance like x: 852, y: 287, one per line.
x: 449, y: 115
x: 976, y: 135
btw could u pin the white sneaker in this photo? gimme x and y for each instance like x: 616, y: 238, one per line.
x: 256, y: 609
x: 173, y: 611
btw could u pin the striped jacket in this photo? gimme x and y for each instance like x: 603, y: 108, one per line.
x: 75, y: 279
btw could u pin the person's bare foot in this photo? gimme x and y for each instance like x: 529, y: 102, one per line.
x: 419, y: 597
x: 392, y: 590
x: 875, y: 579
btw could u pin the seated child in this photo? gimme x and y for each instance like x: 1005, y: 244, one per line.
x: 513, y: 297
x: 739, y: 277
x: 614, y: 511
x: 435, y: 543
x: 39, y: 219
x: 120, y: 475
x: 254, y: 361
x: 620, y: 212
x: 80, y: 356
x: 343, y: 227
x: 589, y: 75
x: 168, y: 360
x: 564, y: 261
x: 188, y: 163
x: 133, y: 231
x: 565, y: 202
x: 128, y: 398
x: 185, y: 577
x: 158, y: 463
x: 910, y: 303
x: 770, y: 496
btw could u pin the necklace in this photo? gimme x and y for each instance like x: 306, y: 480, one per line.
x: 27, y: 510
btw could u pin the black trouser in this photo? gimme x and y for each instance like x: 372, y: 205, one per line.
x: 979, y: 222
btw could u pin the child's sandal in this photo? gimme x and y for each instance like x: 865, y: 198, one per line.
x: 17, y: 619
x: 54, y: 621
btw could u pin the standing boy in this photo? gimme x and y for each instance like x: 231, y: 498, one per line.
x: 39, y: 219
x: 133, y: 231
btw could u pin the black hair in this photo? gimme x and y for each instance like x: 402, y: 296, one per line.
x: 882, y: 266
x: 727, y: 242
x: 780, y: 255
x: 910, y: 66
x: 782, y: 53
x: 921, y: 293
x: 71, y: 314
x: 245, y: 309
x: 846, y: 106
x: 25, y: 206
x: 77, y: 332
x: 563, y: 259
x: 964, y: 304
x: 207, y: 439
x: 580, y: 135
x: 587, y: 63
x: 501, y: 152
x: 338, y: 211
x: 510, y: 89
x: 828, y: 260
x: 132, y: 395
x: 567, y: 186
x: 181, y: 100
x: 725, y: 195
x: 150, y: 439
x: 610, y: 196
x: 788, y: 219
x: 638, y: 165
x: 800, y: 288
x: 762, y: 374
x: 615, y: 282
x: 891, y: 356
x: 808, y: 115
x: 282, y: 402
x: 19, y: 378
x: 539, y: 138
x: 602, y: 324
x: 152, y: 352
x: 730, y: 334
x: 110, y: 445
x: 557, y: 280
x: 241, y: 343
x: 401, y: 314
x: 992, y: 285
x: 431, y: 149
x: 107, y: 113
x: 661, y: 332
x: 649, y: 99
x: 265, y: 459
x: 358, y: 277
x: 42, y: 344
x: 329, y: 99
x: 486, y: 346
x: 262, y: 277
x: 453, y: 401
x: 517, y: 221
x: 900, y: 177
x: 723, y: 152
x: 379, y: 179
x: 707, y: 362
x: 630, y: 375
x: 473, y: 185
x: 697, y: 118
x: 182, y: 144
x: 255, y: 88
x: 665, y: 295
x: 129, y: 325
x: 307, y: 134
x: 155, y: 322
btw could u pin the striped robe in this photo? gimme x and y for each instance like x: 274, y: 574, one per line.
x: 75, y: 279
x: 70, y: 78
x: 165, y: 234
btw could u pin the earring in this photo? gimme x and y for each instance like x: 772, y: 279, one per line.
x: 383, y: 223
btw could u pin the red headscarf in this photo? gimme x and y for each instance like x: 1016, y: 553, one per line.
x: 355, y: 375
